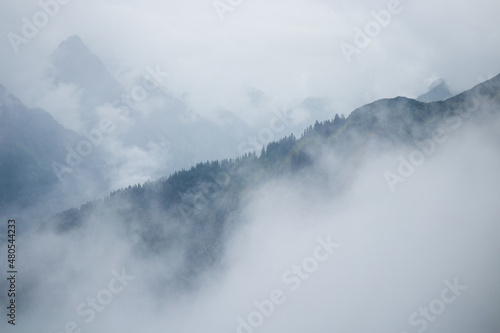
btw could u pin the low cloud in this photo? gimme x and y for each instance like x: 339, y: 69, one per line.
x: 392, y: 256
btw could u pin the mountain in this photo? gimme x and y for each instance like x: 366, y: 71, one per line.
x: 194, y: 210
x: 30, y: 141
x: 438, y: 91
x: 146, y: 113
x: 160, y: 119
x: 74, y: 63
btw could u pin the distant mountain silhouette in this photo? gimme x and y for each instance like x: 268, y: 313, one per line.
x: 438, y: 91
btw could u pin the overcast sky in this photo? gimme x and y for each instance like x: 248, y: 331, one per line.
x: 288, y: 49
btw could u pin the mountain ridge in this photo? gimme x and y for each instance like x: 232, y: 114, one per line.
x: 30, y: 141
x: 401, y: 108
x: 204, y: 201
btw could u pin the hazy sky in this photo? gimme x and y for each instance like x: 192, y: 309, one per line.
x: 288, y: 49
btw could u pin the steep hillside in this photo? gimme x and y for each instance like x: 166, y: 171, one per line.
x: 194, y: 209
x: 30, y: 141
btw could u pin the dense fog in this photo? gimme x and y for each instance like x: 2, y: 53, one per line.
x: 367, y: 259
